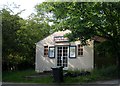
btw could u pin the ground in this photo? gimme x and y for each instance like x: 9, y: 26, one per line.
x: 98, y: 83
x: 30, y: 78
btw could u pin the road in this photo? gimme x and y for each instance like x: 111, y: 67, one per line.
x: 98, y: 83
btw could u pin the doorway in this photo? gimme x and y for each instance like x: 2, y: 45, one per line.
x: 62, y: 56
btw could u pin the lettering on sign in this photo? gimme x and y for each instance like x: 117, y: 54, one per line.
x: 60, y: 39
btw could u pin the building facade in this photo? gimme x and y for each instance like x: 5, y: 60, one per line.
x: 56, y: 50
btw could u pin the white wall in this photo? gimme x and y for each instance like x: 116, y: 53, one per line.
x: 43, y: 63
x: 85, y: 62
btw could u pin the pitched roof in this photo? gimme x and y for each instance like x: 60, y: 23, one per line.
x: 59, y: 33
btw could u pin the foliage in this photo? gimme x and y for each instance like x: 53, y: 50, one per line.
x: 96, y: 74
x: 19, y: 38
x: 19, y: 76
x: 87, y: 20
x: 105, y: 73
x: 10, y: 24
x: 110, y: 71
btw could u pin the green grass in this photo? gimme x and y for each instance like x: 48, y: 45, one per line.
x: 96, y: 74
x: 19, y: 76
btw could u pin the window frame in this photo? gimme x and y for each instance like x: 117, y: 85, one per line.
x: 73, y: 46
x: 80, y: 50
x: 46, y: 51
x: 49, y: 55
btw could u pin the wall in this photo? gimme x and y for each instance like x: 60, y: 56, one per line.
x: 43, y: 63
x: 84, y: 62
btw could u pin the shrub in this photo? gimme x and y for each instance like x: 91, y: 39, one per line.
x: 109, y: 71
x: 96, y: 74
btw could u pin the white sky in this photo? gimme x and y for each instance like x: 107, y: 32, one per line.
x: 28, y: 5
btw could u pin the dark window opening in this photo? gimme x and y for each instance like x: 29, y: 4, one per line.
x: 45, y: 51
x: 80, y: 50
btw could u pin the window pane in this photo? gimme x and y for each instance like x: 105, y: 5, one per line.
x: 45, y: 50
x: 80, y: 50
x: 51, y: 52
x: 72, y: 51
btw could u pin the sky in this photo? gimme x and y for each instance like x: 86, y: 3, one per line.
x: 27, y: 5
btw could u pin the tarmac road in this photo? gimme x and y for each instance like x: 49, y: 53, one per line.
x: 60, y: 85
x: 98, y: 83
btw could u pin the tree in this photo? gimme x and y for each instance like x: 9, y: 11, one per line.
x: 87, y: 20
x: 19, y: 38
x: 32, y: 30
x: 10, y: 24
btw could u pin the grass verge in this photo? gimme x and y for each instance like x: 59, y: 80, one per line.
x: 97, y: 74
x: 19, y: 76
x: 102, y: 74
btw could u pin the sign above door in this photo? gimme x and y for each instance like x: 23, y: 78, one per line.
x: 60, y: 39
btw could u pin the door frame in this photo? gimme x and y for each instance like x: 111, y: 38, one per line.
x: 56, y: 47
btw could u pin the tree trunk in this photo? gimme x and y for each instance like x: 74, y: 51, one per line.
x: 116, y: 53
x: 118, y: 66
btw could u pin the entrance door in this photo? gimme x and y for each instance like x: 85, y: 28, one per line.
x: 62, y: 56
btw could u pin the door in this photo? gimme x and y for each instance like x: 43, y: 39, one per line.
x: 62, y: 56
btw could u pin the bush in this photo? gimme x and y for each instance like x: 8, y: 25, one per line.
x: 106, y: 72
x: 95, y: 75
x: 109, y: 71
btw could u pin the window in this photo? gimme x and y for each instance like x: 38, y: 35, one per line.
x: 45, y: 51
x: 80, y: 50
x: 72, y: 51
x: 51, y: 52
